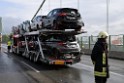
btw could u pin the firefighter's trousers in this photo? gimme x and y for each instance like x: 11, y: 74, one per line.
x: 100, y: 79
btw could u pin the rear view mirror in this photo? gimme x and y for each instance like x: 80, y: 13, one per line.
x: 31, y: 20
x: 78, y: 15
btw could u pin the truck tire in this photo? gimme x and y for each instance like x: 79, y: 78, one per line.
x: 34, y: 58
x: 31, y: 56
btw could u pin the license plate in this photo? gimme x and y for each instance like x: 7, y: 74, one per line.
x: 59, y: 62
x: 71, y: 18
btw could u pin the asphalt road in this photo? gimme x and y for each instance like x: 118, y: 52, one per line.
x: 17, y: 69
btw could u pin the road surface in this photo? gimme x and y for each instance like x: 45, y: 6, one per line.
x: 17, y: 69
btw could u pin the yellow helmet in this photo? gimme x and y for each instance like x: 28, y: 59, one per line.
x: 103, y: 34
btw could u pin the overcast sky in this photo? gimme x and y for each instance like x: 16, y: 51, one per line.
x: 93, y: 12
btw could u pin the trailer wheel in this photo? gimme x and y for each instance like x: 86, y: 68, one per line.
x: 30, y: 57
x: 34, y: 58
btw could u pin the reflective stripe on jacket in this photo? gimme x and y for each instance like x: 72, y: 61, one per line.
x: 9, y: 43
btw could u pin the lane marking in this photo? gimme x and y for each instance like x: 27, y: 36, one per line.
x: 91, y: 68
x: 117, y: 74
x: 30, y: 67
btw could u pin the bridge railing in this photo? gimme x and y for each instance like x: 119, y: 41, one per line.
x: 115, y: 42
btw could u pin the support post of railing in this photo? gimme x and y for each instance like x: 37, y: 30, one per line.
x: 89, y: 42
x: 109, y: 42
x: 123, y: 42
x: 81, y: 43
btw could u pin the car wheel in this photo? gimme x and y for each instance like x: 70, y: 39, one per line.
x: 55, y: 26
x: 29, y: 28
x: 43, y: 26
x: 38, y: 27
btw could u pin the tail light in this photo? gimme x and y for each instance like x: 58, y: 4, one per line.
x: 61, y: 43
x: 62, y: 14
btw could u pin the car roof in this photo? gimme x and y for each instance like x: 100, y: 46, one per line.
x: 40, y: 16
x: 64, y: 8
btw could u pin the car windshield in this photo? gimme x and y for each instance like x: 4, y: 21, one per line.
x: 58, y: 38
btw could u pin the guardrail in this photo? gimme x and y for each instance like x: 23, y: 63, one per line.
x: 115, y: 43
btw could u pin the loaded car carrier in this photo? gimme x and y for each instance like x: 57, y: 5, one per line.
x: 55, y: 47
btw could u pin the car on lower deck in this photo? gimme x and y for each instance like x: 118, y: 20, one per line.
x: 61, y: 46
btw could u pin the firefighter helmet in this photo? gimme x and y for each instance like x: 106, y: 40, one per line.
x: 103, y: 34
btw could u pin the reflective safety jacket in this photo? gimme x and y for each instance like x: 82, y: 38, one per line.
x: 100, y: 59
x: 9, y: 43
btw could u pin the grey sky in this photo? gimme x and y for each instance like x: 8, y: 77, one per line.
x: 93, y: 13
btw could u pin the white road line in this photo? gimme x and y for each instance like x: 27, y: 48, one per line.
x: 117, y: 74
x: 30, y: 66
x: 90, y: 67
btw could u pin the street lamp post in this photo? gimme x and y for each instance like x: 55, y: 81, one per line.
x: 49, y: 4
x: 78, y: 4
x: 60, y: 3
x: 0, y: 24
x: 107, y: 15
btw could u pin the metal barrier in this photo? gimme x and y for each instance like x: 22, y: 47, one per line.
x: 115, y: 42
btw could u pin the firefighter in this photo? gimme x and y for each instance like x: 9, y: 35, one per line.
x: 9, y: 45
x: 99, y: 58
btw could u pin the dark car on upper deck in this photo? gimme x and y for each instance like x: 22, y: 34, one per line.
x: 63, y: 18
